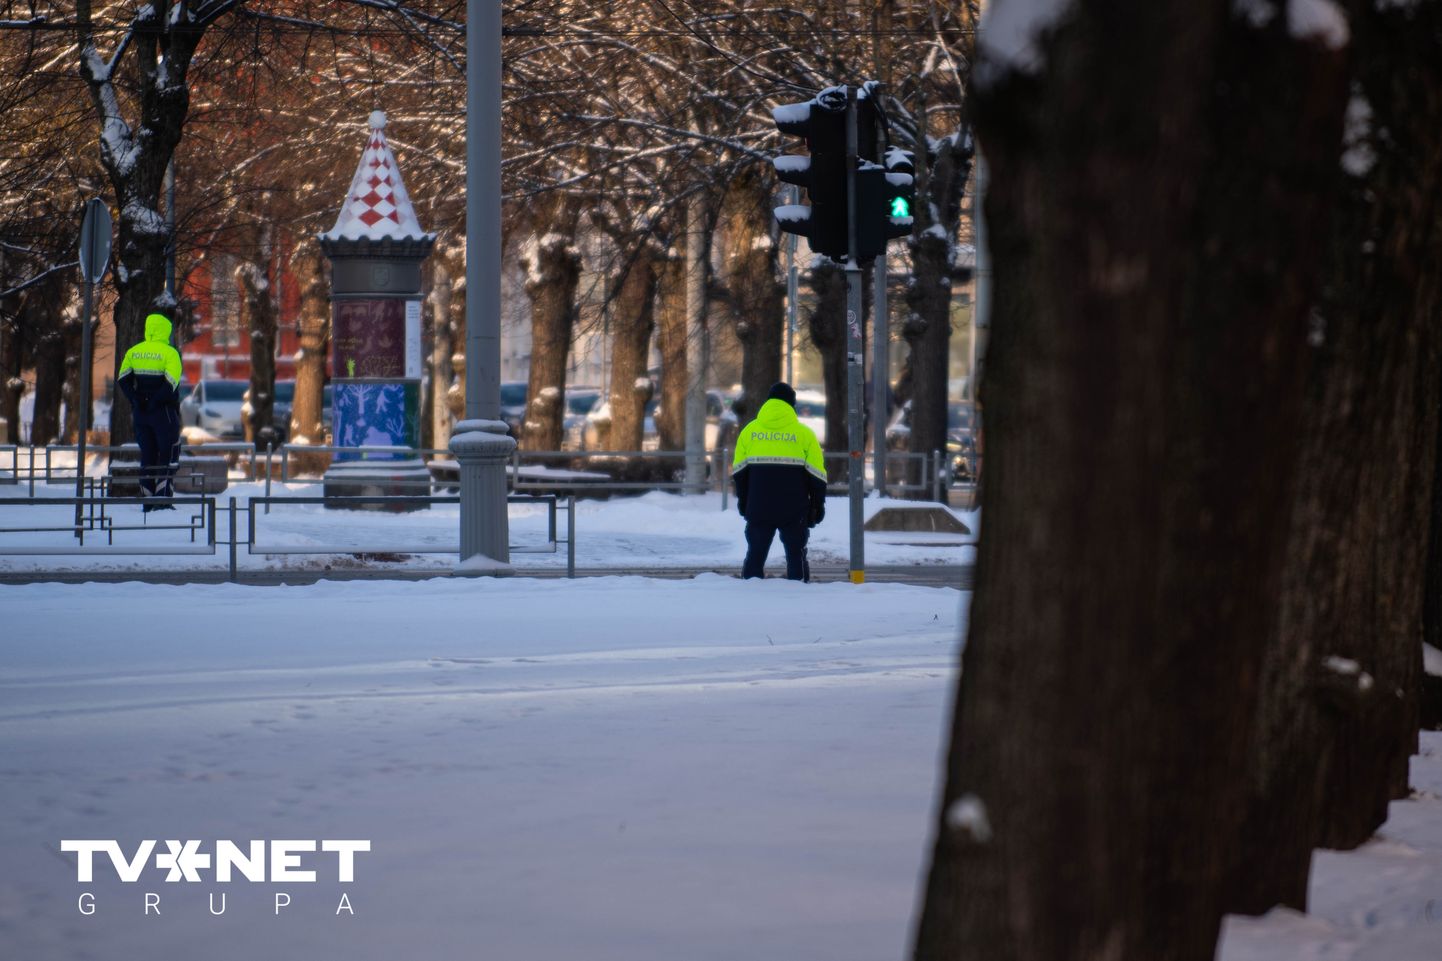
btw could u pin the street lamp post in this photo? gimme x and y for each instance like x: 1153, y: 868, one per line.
x: 480, y: 442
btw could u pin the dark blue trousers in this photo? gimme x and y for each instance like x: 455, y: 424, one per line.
x: 158, y: 434
x: 758, y: 544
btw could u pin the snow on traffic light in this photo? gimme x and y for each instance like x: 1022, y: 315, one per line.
x: 822, y: 122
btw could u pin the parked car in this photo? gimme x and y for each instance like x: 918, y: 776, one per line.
x: 599, y: 417
x: 579, y: 401
x: 285, y: 407
x: 962, y: 429
x: 215, y: 407
x: 811, y: 411
x: 281, y: 410
x: 513, y: 405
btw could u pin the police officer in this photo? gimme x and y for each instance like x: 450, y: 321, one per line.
x: 150, y: 379
x: 780, y: 483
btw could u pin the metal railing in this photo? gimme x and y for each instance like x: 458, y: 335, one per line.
x: 361, y: 501
x: 96, y: 516
x: 915, y: 473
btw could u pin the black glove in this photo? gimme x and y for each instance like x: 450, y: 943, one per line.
x: 741, y: 506
x: 818, y: 511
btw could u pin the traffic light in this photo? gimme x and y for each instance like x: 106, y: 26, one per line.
x: 883, y: 202
x: 822, y: 121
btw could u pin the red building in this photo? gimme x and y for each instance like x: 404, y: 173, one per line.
x: 221, y: 345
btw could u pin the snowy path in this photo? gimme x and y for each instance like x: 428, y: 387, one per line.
x: 640, y: 774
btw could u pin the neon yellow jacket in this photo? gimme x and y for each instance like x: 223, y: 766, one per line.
x: 150, y: 372
x: 776, y: 436
x: 778, y: 469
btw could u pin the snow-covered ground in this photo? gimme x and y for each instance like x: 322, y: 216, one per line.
x: 651, y: 531
x: 611, y: 768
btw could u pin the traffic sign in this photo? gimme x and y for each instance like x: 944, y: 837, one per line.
x: 95, y: 240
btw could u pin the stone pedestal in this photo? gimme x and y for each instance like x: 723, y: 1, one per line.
x: 197, y: 474
x: 482, y: 447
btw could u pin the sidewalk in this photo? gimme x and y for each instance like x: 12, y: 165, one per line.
x: 656, y: 531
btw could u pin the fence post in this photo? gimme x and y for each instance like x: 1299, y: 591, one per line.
x: 725, y: 487
x: 232, y: 539
x: 571, y: 536
x: 269, y: 449
x: 936, y: 475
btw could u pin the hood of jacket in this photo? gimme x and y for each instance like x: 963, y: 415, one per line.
x: 776, y: 414
x: 157, y: 328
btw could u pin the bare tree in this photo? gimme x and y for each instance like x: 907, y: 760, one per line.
x: 1158, y: 246
x: 1338, y: 717
x: 308, y: 264
x: 553, y: 268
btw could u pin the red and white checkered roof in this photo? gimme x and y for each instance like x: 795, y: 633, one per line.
x: 377, y: 206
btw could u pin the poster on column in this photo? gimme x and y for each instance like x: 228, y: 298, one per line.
x: 413, y: 339
x: 369, y: 337
x: 377, y: 414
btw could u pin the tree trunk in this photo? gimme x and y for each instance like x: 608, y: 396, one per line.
x: 70, y: 330
x: 1387, y: 302
x: 632, y: 322
x: 757, y: 298
x: 927, y: 328
x: 671, y: 338
x: 258, y: 316
x: 1340, y: 681
x: 156, y: 61
x: 456, y: 393
x: 553, y: 269
x: 1152, y: 287
x: 11, y: 386
x: 313, y: 326
x: 826, y: 323
x: 445, y: 263
x: 49, y: 359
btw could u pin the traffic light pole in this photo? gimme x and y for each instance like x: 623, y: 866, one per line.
x: 791, y: 289
x: 880, y: 351
x: 855, y: 381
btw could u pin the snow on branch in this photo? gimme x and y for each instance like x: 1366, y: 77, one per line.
x: 39, y: 278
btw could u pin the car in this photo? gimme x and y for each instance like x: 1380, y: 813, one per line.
x: 580, y: 401
x: 285, y: 406
x: 811, y: 411
x: 513, y: 405
x: 215, y: 406
x: 599, y: 417
x: 963, y: 424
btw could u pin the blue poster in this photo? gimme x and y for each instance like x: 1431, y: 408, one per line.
x: 385, y: 414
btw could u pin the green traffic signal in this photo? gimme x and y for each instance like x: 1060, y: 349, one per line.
x: 900, y: 207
